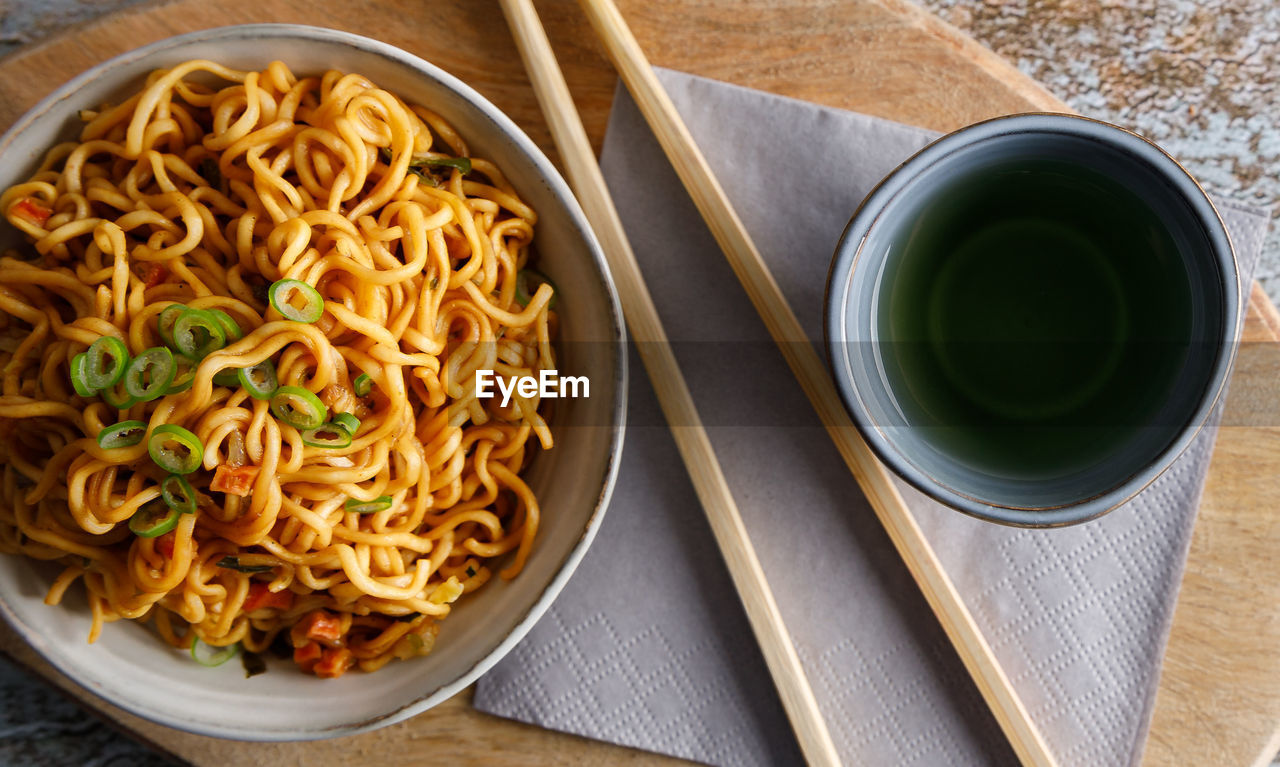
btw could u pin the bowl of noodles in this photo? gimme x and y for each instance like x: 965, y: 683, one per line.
x: 249, y: 278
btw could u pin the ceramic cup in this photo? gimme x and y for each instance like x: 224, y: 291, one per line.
x: 1002, y: 460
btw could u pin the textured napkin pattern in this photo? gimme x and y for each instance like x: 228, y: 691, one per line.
x: 648, y: 646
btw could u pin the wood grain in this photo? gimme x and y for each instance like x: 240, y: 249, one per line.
x: 874, y: 479
x: 1219, y: 699
x: 1219, y: 696
x: 669, y: 385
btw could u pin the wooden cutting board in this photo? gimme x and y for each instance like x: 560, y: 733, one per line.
x: 1219, y: 698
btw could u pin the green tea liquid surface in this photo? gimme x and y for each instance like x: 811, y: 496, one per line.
x: 1035, y: 318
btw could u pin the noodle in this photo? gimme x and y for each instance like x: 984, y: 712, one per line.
x: 208, y: 191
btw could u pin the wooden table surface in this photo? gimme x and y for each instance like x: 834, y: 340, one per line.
x: 1219, y: 697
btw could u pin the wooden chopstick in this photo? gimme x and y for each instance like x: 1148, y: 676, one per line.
x: 669, y: 384
x: 682, y: 151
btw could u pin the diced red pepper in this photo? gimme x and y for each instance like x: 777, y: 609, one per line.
x: 164, y: 544
x: 260, y: 596
x: 233, y: 480
x: 31, y: 210
x: 320, y: 626
x: 334, y: 663
x: 307, y: 656
x: 152, y: 274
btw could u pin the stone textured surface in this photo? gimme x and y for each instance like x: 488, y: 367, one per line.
x: 1197, y: 76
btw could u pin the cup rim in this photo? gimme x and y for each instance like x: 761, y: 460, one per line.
x: 848, y: 252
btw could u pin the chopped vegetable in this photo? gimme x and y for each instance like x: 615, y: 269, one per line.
x: 175, y: 449
x: 165, y: 321
x: 183, y: 376
x: 165, y: 543
x: 296, y: 300
x: 260, y: 596
x: 233, y: 563
x: 123, y: 434
x: 253, y: 663
x: 233, y: 480
x: 381, y: 503
x: 153, y: 519
x: 152, y: 274
x: 106, y: 362
x: 299, y: 408
x: 347, y: 422
x: 362, y: 385
x: 32, y: 211
x: 463, y: 164
x: 150, y: 374
x: 208, y: 655
x: 334, y: 663
x: 197, y: 334
x: 178, y: 494
x: 527, y: 282
x: 327, y: 435
x: 446, y: 592
x: 117, y: 397
x: 229, y: 377
x: 411, y: 645
x: 78, y: 380
x: 419, y: 161
x: 320, y: 626
x: 307, y: 656
x: 259, y: 380
x: 229, y: 327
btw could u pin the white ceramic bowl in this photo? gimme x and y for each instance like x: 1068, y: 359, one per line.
x: 133, y: 668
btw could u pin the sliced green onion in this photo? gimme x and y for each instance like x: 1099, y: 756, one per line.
x: 461, y: 163
x: 208, y: 655
x: 227, y: 377
x: 153, y: 519
x: 418, y: 161
x: 283, y: 293
x: 299, y: 408
x: 177, y: 494
x: 233, y: 563
x: 527, y: 282
x: 175, y: 449
x: 362, y: 385
x: 106, y: 361
x: 259, y: 380
x: 78, y: 381
x: 184, y: 375
x: 123, y: 434
x: 348, y: 422
x: 328, y: 435
x: 381, y: 503
x: 229, y: 327
x: 150, y: 374
x: 117, y: 397
x: 197, y: 333
x: 164, y: 323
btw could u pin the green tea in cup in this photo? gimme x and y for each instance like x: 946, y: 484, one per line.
x: 1031, y: 318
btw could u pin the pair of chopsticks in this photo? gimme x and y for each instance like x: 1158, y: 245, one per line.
x: 677, y: 404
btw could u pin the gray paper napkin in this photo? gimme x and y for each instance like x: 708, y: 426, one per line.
x: 648, y: 645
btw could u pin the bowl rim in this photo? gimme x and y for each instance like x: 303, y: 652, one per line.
x: 577, y: 219
x: 841, y: 277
